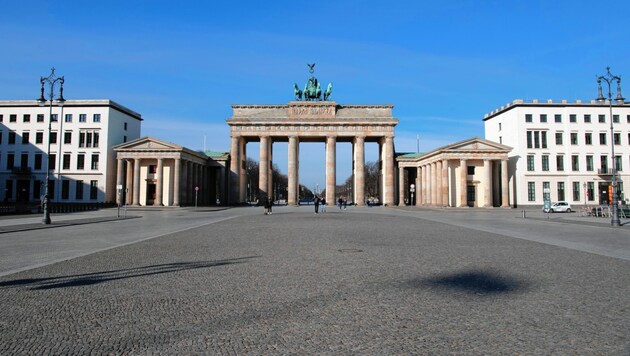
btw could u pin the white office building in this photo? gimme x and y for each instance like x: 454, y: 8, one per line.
x: 82, y: 160
x: 563, y: 149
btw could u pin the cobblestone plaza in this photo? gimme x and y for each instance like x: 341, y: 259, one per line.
x: 361, y: 281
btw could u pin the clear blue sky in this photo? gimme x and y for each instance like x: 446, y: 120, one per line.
x: 443, y: 65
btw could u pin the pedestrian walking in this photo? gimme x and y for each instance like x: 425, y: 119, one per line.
x: 316, y: 201
x: 340, y: 202
x: 323, y: 202
x: 265, y: 203
x: 269, y: 206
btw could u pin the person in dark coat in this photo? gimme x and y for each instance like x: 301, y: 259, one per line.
x: 316, y: 200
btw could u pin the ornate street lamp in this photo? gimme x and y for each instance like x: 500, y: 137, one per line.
x: 51, y: 80
x: 609, y: 79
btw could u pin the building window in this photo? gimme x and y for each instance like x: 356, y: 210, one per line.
x: 531, y: 191
x: 576, y: 191
x: 24, y: 161
x: 51, y: 188
x: 68, y: 118
x: 52, y: 158
x: 500, y: 139
x: 125, y: 139
x: 93, y: 189
x: 530, y: 163
x: 66, y: 161
x: 618, y: 163
x: 67, y: 137
x: 125, y: 126
x: 616, y: 119
x: 78, y: 193
x: 557, y: 118
x: 627, y: 118
x: 2, y: 118
x: 38, y: 161
x: 602, y: 118
x: 603, y: 163
x: 560, y: 163
x: 561, y: 191
x: 588, y: 138
x: 559, y: 138
x: 26, y: 118
x: 153, y: 169
x: 53, y: 138
x: 96, y: 118
x: 574, y: 138
x: 543, y: 117
x: 575, y: 163
x: 11, y: 137
x: 1, y: 137
x: 40, y: 117
x: 536, y: 139
x: 617, y: 138
x: 572, y: 118
x: 82, y: 117
x: 65, y: 189
x: 94, y: 164
x: 37, y: 187
x: 545, y: 163
x: 528, y: 117
x: 96, y: 136
x: 10, y: 161
x: 9, y: 189
x: 470, y: 170
x: 81, y: 139
x: 81, y: 161
x: 53, y: 118
x: 39, y: 137
x: 25, y: 138
x: 587, y: 118
x: 13, y: 118
x: 589, y: 163
x: 590, y: 190
x: 602, y: 138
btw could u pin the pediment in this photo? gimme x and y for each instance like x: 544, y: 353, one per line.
x: 476, y: 144
x: 147, y: 144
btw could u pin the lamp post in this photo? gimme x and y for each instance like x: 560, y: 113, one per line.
x: 609, y: 79
x: 51, y: 80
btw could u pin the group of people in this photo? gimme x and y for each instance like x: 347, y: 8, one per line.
x: 317, y: 200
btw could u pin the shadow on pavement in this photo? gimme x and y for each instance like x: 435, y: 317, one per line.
x: 100, y: 277
x: 474, y: 282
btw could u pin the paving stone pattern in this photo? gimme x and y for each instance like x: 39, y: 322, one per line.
x: 334, y: 283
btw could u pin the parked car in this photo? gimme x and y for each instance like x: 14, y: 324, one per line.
x: 559, y: 207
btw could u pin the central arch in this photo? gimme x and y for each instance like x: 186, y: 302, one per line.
x: 312, y: 121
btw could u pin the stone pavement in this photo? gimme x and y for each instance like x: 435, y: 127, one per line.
x: 361, y: 281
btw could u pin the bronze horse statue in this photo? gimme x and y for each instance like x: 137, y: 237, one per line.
x: 297, y: 91
x: 328, y: 92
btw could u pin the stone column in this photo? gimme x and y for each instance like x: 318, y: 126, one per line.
x: 438, y: 183
x: 401, y: 186
x: 445, y: 184
x: 359, y: 170
x: 136, y: 181
x: 292, y: 189
x: 504, y: 184
x: 270, y: 169
x: 263, y: 168
x: 120, y: 173
x: 331, y: 165
x: 418, y: 186
x: 463, y: 182
x: 129, y: 184
x: 487, y: 187
x: 176, y: 180
x: 388, y: 165
x: 427, y: 184
x: 423, y: 170
x: 242, y: 198
x: 235, y: 171
x: 159, y: 182
x: 190, y: 177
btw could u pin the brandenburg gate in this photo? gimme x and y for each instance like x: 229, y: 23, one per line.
x: 312, y: 121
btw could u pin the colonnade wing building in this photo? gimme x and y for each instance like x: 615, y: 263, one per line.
x: 312, y: 121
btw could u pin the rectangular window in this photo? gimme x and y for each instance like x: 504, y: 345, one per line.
x: 588, y: 138
x: 617, y: 138
x: 94, y: 164
x: 470, y: 170
x: 93, y: 189
x: 575, y: 163
x: 25, y: 138
x: 68, y: 118
x: 601, y: 118
x: 24, y: 161
x: 40, y: 117
x: 560, y: 163
x: 587, y: 118
x: 52, y: 158
x: 67, y: 137
x: 576, y: 191
x: 53, y: 138
x: 65, y: 189
x: 557, y: 118
x: 572, y: 118
x: 66, y: 161
x: 2, y: 118
x: 81, y: 161
x: 543, y: 117
x: 82, y: 117
x: 603, y: 163
x: 78, y: 193
x: 537, y: 139
x: 125, y: 139
x: 574, y: 138
x: 530, y: 163
x: 51, y: 188
x: 95, y: 139
x: 531, y: 191
x: 11, y: 137
x: 152, y: 169
x: 125, y: 126
x: 26, y: 118
x: 38, y: 161
x: 37, y: 187
x: 589, y: 163
x: 9, y: 189
x: 1, y: 137
x: 529, y: 140
x: 39, y: 138
x: 602, y: 138
x: 96, y: 118
x: 618, y: 167
x: 590, y: 190
x: 81, y: 139
x: 561, y: 191
x: 543, y: 137
x: 545, y: 163
x: 10, y: 161
x: 12, y: 118
x: 558, y: 138
x: 616, y: 119
x: 528, y: 117
x: 88, y: 140
x: 54, y: 118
